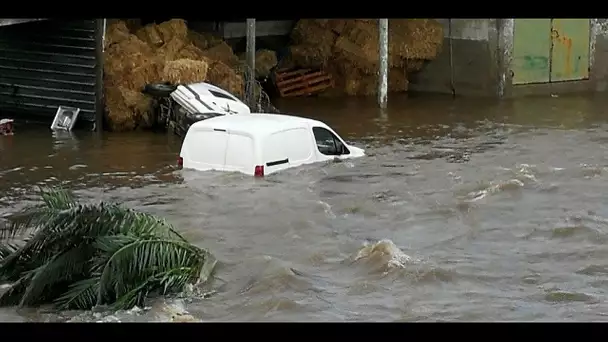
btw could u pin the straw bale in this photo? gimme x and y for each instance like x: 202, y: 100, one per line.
x: 191, y: 52
x: 174, y: 28
x: 414, y: 65
x: 265, y: 60
x: 222, y: 53
x: 171, y: 49
x: 204, y: 40
x: 416, y: 38
x: 365, y: 60
x: 150, y: 35
x: 309, y: 55
x: 126, y: 107
x: 136, y: 79
x: 185, y: 71
x: 310, y: 32
x: 337, y: 25
x: 133, y: 24
x: 123, y: 57
x: 116, y: 32
x: 225, y: 77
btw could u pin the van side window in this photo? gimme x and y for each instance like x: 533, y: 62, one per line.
x: 327, y: 143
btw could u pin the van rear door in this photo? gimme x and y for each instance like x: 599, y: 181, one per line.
x: 206, y: 149
x: 240, y: 153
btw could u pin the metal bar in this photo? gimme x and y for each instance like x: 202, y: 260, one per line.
x: 383, y: 72
x: 100, y: 26
x: 250, y: 52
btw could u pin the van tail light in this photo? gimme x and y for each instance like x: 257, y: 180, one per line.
x: 259, y: 171
x: 180, y: 162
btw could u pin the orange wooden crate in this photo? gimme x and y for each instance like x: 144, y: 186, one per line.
x: 301, y: 82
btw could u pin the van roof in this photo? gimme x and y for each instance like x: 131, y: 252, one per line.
x: 257, y: 123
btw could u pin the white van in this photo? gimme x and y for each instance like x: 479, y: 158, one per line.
x: 260, y: 144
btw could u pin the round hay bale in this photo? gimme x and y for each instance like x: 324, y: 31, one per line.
x: 150, y: 35
x: 185, y: 71
x: 225, y: 77
x: 191, y: 52
x: 222, y: 53
x: 265, y: 60
x: 174, y: 28
x: 309, y: 55
x: 116, y: 32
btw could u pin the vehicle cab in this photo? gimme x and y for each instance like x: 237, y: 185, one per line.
x: 261, y: 144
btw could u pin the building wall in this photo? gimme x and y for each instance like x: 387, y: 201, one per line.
x: 467, y: 64
x: 597, y: 79
x: 478, y: 61
x: 47, y: 64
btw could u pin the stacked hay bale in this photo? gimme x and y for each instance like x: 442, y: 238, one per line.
x: 348, y: 49
x: 167, y: 52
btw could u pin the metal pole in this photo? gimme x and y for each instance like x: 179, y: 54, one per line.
x: 383, y: 72
x: 250, y: 52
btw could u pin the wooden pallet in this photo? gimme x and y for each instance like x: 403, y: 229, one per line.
x: 301, y: 82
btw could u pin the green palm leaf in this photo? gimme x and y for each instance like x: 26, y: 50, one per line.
x: 81, y: 255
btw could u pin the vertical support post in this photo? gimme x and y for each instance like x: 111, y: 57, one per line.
x: 383, y: 72
x: 250, y: 53
x: 100, y: 32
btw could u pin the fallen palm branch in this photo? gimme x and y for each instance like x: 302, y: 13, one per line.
x: 78, y: 256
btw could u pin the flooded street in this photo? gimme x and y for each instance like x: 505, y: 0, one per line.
x: 463, y: 210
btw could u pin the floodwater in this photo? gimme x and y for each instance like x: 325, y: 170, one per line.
x: 463, y: 210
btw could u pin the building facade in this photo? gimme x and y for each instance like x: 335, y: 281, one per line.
x: 515, y: 57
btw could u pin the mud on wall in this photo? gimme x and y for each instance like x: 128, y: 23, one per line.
x: 468, y: 63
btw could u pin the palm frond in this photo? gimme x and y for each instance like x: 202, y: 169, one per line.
x: 81, y: 295
x: 144, y: 258
x: 81, y: 255
x: 61, y: 268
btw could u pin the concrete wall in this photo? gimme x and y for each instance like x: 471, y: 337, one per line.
x: 476, y: 61
x: 468, y: 63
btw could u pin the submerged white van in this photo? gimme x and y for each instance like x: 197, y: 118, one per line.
x: 260, y: 144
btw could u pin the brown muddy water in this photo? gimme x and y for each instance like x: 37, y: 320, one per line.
x: 463, y: 210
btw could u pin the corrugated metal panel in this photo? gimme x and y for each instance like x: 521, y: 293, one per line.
x: 8, y: 22
x: 48, y: 64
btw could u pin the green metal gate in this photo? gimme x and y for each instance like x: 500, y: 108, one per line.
x: 550, y: 50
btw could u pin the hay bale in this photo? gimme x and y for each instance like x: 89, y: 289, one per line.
x: 150, y: 35
x: 204, y: 40
x: 365, y: 60
x: 309, y: 55
x: 416, y: 38
x: 125, y: 108
x: 123, y: 57
x: 222, y: 53
x: 336, y: 25
x: 170, y: 50
x: 191, y: 52
x: 225, y: 77
x: 185, y: 71
x: 116, y: 32
x: 174, y: 28
x: 133, y: 24
x: 413, y: 65
x: 312, y: 32
x: 145, y: 73
x: 265, y: 60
